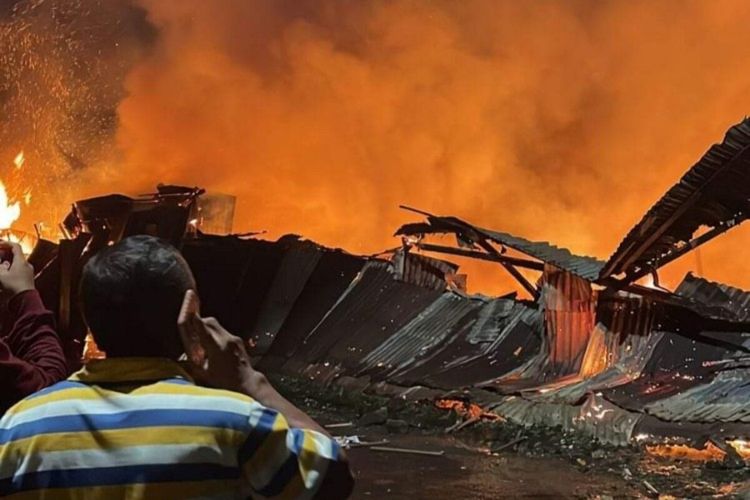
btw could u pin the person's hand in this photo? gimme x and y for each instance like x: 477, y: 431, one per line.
x: 217, y: 357
x: 18, y: 276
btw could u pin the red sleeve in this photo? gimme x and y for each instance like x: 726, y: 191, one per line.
x: 31, y: 357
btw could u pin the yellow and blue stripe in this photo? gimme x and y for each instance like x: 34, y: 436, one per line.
x: 140, y: 427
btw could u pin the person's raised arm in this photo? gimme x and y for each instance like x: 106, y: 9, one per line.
x: 31, y: 356
x: 320, y: 465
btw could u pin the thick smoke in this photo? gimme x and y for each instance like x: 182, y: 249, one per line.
x: 62, y: 66
x: 556, y: 120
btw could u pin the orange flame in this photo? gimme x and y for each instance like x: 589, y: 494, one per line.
x: 709, y: 453
x: 9, y: 212
x: 465, y: 409
x: 19, y: 160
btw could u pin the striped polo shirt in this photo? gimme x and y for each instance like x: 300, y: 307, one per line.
x: 140, y: 428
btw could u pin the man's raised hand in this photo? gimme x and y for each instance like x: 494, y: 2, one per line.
x: 16, y: 276
x: 218, y: 358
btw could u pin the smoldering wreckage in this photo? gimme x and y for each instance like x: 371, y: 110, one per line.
x: 593, y: 352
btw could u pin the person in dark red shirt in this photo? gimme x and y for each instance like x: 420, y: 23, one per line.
x: 31, y: 357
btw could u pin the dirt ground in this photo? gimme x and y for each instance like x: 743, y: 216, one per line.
x: 497, y: 459
x: 465, y: 473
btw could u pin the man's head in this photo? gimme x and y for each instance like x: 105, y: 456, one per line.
x: 132, y: 293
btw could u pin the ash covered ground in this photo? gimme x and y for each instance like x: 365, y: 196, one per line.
x: 497, y: 459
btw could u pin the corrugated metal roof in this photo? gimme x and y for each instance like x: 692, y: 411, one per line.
x: 676, y: 364
x: 374, y: 307
x: 329, y: 280
x: 233, y: 277
x: 714, y: 192
x: 715, y: 294
x: 421, y: 336
x: 569, y: 310
x: 723, y: 399
x: 583, y: 266
x: 295, y: 269
x: 502, y: 336
x: 335, y: 314
x: 652, y: 430
x: 422, y: 270
x: 595, y: 417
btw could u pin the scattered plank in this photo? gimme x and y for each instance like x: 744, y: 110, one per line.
x: 340, y: 425
x: 408, y: 450
x: 460, y: 425
x: 508, y: 444
x: 366, y: 444
x: 650, y: 487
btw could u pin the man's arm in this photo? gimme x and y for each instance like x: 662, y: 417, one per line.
x: 314, y: 461
x: 31, y: 356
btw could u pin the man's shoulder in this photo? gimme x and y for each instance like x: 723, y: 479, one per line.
x: 186, y: 388
x: 55, y: 392
x: 70, y: 396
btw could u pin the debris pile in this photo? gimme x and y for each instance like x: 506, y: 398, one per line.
x: 594, y: 351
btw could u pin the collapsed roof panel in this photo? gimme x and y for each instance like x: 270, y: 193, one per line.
x: 675, y: 364
x: 504, y: 335
x: 584, y: 266
x: 731, y: 299
x: 470, y: 235
x: 373, y: 308
x: 724, y: 399
x: 712, y: 194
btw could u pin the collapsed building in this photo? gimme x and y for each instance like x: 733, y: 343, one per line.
x: 592, y: 351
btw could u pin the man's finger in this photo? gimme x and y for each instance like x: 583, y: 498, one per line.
x: 190, y: 328
x: 189, y: 308
x: 18, y: 256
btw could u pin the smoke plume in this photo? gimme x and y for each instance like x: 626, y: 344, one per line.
x: 555, y: 120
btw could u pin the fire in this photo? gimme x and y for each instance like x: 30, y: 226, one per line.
x: 470, y: 411
x: 91, y: 350
x: 9, y: 212
x: 742, y: 447
x: 709, y: 453
x: 684, y: 452
x: 19, y: 160
x: 10, y: 208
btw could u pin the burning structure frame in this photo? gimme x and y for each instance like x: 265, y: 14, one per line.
x: 592, y: 351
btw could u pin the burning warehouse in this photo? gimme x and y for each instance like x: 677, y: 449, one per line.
x: 474, y: 357
x: 599, y: 349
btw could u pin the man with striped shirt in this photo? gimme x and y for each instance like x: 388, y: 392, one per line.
x: 136, y: 425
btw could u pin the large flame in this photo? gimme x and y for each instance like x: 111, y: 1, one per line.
x: 9, y: 212
x: 559, y: 121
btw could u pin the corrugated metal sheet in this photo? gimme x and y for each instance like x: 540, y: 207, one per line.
x: 712, y: 193
x: 676, y: 364
x: 716, y: 294
x: 595, y: 417
x: 374, y: 307
x: 233, y: 277
x: 569, y: 306
x: 628, y: 368
x: 422, y: 270
x: 723, y: 399
x: 418, y: 339
x: 504, y: 336
x: 294, y: 270
x: 652, y: 430
x: 584, y: 266
x: 325, y: 285
x: 330, y: 314
x: 466, y: 233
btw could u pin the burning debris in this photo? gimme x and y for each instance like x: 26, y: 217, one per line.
x: 593, y: 352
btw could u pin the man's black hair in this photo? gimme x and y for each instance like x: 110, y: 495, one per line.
x: 131, y: 296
